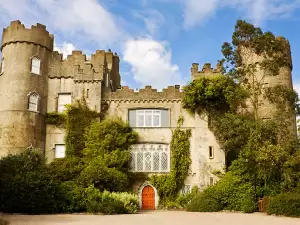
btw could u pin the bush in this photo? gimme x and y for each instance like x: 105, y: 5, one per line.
x: 230, y: 193
x: 286, y: 204
x: 204, y: 202
x: 99, y: 175
x: 74, y: 197
x: 66, y: 169
x: 111, y: 203
x: 26, y: 186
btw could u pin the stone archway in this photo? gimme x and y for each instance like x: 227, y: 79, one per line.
x: 147, y: 188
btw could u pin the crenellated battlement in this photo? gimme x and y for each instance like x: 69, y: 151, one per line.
x: 78, y: 67
x: 18, y: 33
x: 207, y: 70
x: 172, y: 93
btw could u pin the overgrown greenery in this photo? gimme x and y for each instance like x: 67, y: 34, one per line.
x: 168, y: 186
x: 261, y: 155
x: 286, y: 204
x: 96, y: 162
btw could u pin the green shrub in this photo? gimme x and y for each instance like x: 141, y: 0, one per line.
x: 286, y: 204
x: 204, y: 202
x: 110, y: 203
x: 99, y: 175
x: 230, y: 193
x: 66, y: 169
x: 26, y: 186
x: 74, y: 197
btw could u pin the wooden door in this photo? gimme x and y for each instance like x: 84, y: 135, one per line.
x: 148, y: 198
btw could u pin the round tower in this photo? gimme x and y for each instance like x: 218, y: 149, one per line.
x: 24, y: 87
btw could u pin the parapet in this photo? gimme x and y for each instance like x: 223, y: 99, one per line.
x: 287, y: 50
x: 172, y: 93
x: 37, y: 35
x: 207, y: 70
x: 78, y: 67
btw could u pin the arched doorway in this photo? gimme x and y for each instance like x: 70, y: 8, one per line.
x: 148, y: 198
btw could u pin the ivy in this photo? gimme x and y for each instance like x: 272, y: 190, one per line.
x: 79, y: 118
x: 55, y: 118
x: 168, y: 186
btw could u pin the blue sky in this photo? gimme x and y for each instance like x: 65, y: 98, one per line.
x: 157, y: 40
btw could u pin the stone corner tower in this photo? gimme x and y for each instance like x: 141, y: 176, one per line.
x: 24, y: 86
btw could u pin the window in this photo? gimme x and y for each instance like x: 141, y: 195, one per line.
x: 35, y: 65
x: 211, y: 181
x: 2, y: 66
x: 150, y: 158
x: 87, y: 93
x: 63, y: 100
x: 60, y: 151
x: 148, y: 118
x: 211, y: 152
x: 107, y: 80
x: 33, y: 101
x: 186, y: 189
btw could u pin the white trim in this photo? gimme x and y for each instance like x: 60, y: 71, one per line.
x: 35, y: 67
x: 148, y: 112
x: 140, y: 194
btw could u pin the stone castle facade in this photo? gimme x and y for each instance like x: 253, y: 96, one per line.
x: 36, y: 80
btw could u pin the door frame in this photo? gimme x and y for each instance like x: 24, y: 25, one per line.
x: 156, y: 198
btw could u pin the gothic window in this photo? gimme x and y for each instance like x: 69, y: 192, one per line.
x: 148, y: 118
x: 33, y: 101
x: 63, y: 100
x: 35, y: 65
x: 186, y: 189
x: 2, y: 66
x: 60, y: 151
x: 150, y: 157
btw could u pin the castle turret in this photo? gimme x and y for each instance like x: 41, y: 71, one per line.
x: 23, y: 85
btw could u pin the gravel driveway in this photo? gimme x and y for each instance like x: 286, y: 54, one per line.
x: 155, y: 218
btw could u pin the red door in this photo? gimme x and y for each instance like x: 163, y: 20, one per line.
x: 148, y: 198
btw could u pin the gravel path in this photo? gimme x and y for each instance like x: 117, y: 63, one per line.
x: 155, y: 218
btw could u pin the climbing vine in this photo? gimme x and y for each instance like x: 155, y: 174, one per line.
x: 56, y: 118
x: 78, y: 119
x: 168, y: 186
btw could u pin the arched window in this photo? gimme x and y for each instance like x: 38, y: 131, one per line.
x: 35, y: 65
x: 2, y: 66
x: 33, y: 101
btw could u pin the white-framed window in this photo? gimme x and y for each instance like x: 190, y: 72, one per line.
x: 33, y: 101
x: 35, y: 65
x: 186, y: 189
x: 150, y: 157
x: 60, y: 151
x: 63, y: 100
x: 148, y: 118
x: 211, y: 152
x: 2, y: 65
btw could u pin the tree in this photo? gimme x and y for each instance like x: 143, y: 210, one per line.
x: 251, y: 57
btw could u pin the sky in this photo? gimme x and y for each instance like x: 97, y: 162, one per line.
x: 157, y: 40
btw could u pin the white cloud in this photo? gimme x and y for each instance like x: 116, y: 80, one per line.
x: 85, y: 20
x: 196, y: 11
x: 152, y: 19
x: 66, y: 49
x: 297, y: 88
x: 151, y: 63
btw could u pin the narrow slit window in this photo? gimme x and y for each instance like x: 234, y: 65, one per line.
x: 211, y: 181
x: 2, y: 65
x: 35, y: 65
x: 87, y: 93
x: 211, y: 152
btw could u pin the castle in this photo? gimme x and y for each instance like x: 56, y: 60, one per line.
x: 36, y: 80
